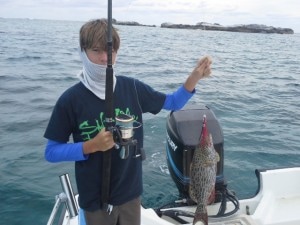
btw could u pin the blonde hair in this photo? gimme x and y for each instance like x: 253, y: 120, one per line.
x: 94, y: 34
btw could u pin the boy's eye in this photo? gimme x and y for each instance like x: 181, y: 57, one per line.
x: 98, y: 50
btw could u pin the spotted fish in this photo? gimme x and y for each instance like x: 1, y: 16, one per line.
x: 203, y: 175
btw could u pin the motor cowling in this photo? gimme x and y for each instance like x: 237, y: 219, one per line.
x: 183, y: 135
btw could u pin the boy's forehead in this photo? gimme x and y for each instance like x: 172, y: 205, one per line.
x: 98, y: 46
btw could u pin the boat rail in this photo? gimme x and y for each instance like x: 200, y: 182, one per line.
x: 67, y: 197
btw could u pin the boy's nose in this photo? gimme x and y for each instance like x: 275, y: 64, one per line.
x: 102, y: 58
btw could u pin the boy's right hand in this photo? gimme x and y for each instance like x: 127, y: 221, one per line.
x: 103, y: 141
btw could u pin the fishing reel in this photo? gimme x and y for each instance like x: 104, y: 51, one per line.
x: 123, y: 136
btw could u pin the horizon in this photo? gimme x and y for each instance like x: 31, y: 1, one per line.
x: 153, y: 25
x: 279, y: 13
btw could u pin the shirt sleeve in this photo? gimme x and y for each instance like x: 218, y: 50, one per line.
x: 149, y: 99
x: 61, y: 121
x: 58, y: 152
x: 178, y: 99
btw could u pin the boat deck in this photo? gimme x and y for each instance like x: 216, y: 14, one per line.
x: 278, y: 211
x: 276, y: 203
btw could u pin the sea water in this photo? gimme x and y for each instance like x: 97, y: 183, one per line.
x: 254, y: 92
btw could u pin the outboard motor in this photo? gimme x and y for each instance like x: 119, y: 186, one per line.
x: 183, y: 135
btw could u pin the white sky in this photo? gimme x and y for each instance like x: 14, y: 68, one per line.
x: 277, y: 13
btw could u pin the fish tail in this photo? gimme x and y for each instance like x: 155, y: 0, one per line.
x: 200, y: 218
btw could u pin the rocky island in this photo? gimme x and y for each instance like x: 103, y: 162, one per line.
x: 130, y: 23
x: 251, y: 28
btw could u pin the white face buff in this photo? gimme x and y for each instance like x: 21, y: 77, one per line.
x: 93, y: 76
x: 95, y: 71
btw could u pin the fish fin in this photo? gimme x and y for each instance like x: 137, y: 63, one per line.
x: 212, y: 197
x: 200, y: 217
x: 192, y: 194
x: 208, y: 163
x: 218, y: 156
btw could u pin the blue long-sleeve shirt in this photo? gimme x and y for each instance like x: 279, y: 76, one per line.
x: 57, y: 151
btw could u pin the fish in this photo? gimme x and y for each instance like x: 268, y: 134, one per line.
x: 203, y: 172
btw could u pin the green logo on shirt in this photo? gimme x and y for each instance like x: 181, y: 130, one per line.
x: 89, y: 129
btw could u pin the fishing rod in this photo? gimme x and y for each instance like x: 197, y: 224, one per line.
x: 122, y: 125
x: 123, y: 131
x: 109, y: 119
x: 109, y: 115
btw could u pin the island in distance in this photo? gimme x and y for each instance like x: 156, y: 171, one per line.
x: 250, y: 28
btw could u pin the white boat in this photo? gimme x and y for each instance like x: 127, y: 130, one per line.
x: 277, y: 201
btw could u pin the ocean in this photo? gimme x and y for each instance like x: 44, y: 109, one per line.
x: 254, y: 92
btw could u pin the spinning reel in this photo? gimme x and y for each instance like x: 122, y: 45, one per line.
x: 123, y: 136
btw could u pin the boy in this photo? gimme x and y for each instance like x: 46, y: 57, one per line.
x: 80, y: 112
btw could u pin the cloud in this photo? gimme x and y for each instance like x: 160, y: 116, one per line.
x: 223, y: 12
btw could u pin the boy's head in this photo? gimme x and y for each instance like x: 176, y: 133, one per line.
x: 93, y: 34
